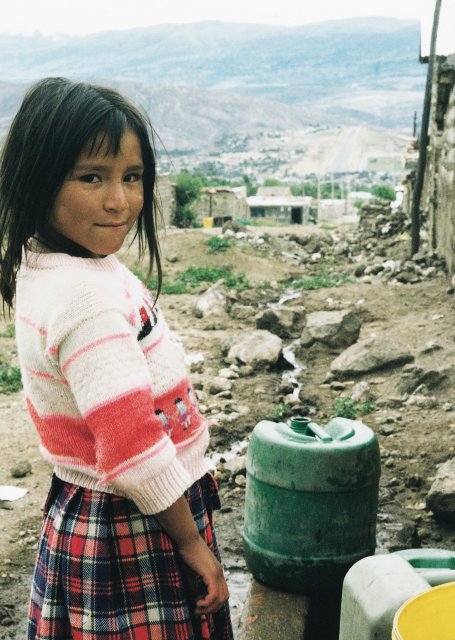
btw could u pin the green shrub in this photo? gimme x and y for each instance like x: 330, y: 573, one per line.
x: 281, y: 412
x: 10, y: 379
x: 384, y: 191
x: 9, y: 332
x: 323, y: 280
x: 217, y: 244
x: 192, y: 277
x: 347, y: 408
x: 184, y: 217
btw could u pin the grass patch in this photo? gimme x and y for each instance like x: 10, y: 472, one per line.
x: 348, y: 408
x: 324, y: 279
x: 10, y: 379
x: 281, y: 412
x: 10, y: 331
x: 187, y: 280
x: 217, y: 244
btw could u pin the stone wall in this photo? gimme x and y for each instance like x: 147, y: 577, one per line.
x: 165, y: 196
x: 438, y: 198
x: 218, y: 202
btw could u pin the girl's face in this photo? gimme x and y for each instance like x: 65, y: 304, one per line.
x: 101, y: 198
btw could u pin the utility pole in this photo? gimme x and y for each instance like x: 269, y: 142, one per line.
x: 319, y: 197
x: 420, y: 172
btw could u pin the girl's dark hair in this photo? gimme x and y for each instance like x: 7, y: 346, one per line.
x: 56, y: 120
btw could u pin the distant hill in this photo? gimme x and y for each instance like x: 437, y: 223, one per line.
x: 205, y: 81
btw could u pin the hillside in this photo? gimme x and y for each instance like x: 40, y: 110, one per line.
x: 204, y: 81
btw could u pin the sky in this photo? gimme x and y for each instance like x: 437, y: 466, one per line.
x: 82, y: 17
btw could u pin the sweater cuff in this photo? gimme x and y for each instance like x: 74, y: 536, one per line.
x: 159, y: 492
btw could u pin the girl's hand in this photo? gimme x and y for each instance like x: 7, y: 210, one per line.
x: 178, y: 521
x: 198, y: 557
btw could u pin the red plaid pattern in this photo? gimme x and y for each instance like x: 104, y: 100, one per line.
x: 105, y: 571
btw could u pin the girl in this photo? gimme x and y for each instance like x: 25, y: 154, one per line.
x: 127, y: 548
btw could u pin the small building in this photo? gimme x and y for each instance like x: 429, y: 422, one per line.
x: 332, y: 210
x: 279, y: 204
x: 222, y: 204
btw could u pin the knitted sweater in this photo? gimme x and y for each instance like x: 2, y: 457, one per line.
x: 105, y: 381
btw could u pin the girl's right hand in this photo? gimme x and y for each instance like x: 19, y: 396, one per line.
x: 199, y: 558
x: 177, y: 520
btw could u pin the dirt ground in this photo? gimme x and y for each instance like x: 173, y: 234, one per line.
x: 413, y: 440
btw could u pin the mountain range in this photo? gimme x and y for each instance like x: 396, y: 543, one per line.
x: 208, y: 81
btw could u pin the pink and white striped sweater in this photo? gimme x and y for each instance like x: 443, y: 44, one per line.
x: 105, y: 381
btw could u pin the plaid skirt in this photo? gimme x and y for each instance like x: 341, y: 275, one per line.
x: 106, y: 571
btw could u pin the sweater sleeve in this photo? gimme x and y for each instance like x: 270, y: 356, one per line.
x: 110, y: 382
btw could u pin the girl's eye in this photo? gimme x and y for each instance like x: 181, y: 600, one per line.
x: 90, y: 178
x: 133, y: 177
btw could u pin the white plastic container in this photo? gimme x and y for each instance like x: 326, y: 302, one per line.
x: 374, y: 588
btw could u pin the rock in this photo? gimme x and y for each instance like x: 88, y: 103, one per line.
x: 219, y: 384
x: 333, y: 328
x: 336, y: 385
x: 361, y: 392
x: 195, y: 362
x: 213, y: 302
x: 410, y: 378
x: 236, y: 465
x: 235, y: 227
x: 368, y: 355
x: 422, y: 401
x: 386, y: 430
x: 359, y: 270
x: 286, y: 387
x: 403, y: 536
x: 242, y: 311
x: 430, y: 347
x: 441, y: 497
x: 282, y: 321
x: 21, y: 469
x: 229, y: 373
x: 413, y: 376
x: 256, y: 349
x: 407, y: 277
x: 391, y: 402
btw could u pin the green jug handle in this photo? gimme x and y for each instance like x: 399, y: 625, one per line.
x: 303, y: 425
x: 319, y: 432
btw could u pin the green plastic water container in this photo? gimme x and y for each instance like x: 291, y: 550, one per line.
x: 311, y: 502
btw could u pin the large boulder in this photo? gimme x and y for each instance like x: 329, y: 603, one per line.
x: 333, y: 328
x: 212, y: 306
x: 258, y: 349
x: 370, y: 355
x: 414, y: 376
x: 282, y: 321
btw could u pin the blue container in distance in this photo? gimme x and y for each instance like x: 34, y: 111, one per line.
x: 311, y: 502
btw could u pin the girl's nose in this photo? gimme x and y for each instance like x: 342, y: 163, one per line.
x: 115, y: 198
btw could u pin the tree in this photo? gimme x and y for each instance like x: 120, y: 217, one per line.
x: 272, y: 182
x: 187, y: 189
x: 384, y: 191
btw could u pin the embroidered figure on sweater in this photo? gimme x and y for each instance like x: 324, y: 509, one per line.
x: 183, y: 413
x: 164, y: 421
